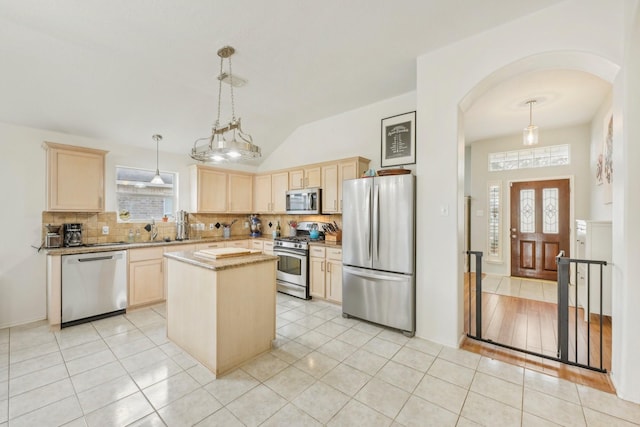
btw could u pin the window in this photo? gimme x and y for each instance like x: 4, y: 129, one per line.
x: 556, y: 155
x: 494, y: 249
x: 141, y: 199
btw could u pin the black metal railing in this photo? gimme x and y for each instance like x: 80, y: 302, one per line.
x: 565, y: 335
x: 564, y: 313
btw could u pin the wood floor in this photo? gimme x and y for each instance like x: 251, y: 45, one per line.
x: 532, y: 325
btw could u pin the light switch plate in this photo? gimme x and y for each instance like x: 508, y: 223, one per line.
x: 211, y: 225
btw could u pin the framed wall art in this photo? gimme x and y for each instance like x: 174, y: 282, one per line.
x: 399, y: 140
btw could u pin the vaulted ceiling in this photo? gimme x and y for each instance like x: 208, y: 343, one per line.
x: 123, y: 70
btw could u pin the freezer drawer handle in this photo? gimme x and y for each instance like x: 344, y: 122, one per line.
x: 370, y: 275
x: 99, y: 258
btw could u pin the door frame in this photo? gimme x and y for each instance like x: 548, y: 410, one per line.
x: 507, y: 212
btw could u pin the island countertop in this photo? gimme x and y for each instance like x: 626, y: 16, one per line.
x: 190, y: 257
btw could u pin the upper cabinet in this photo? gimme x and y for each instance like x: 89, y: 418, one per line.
x: 269, y: 192
x: 308, y: 177
x: 75, y: 178
x: 218, y: 191
x: 332, y: 176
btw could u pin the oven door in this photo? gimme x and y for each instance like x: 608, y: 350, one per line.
x: 291, y: 275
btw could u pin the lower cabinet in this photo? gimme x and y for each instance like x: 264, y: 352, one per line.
x: 146, y: 276
x: 265, y: 246
x: 325, y: 273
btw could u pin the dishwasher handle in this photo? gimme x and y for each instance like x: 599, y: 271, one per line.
x: 98, y: 258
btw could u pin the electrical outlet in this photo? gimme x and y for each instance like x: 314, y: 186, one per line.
x: 211, y: 225
x: 105, y: 229
x: 246, y: 224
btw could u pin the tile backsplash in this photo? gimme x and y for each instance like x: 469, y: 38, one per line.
x: 92, y: 224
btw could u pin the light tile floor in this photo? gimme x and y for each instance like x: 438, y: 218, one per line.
x: 539, y: 290
x: 323, y: 370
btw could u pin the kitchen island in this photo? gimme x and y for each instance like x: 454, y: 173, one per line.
x: 223, y: 311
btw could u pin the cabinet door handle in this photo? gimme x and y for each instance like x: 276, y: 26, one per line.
x: 328, y: 267
x: 322, y: 266
x: 335, y: 204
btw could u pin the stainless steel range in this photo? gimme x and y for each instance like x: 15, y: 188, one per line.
x: 292, y: 275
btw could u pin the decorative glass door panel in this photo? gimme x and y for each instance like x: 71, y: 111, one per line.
x: 539, y: 227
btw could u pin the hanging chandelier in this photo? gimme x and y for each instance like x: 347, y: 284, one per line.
x: 530, y: 133
x: 157, y: 179
x: 227, y: 141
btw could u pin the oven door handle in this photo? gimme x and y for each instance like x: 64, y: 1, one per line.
x: 295, y: 253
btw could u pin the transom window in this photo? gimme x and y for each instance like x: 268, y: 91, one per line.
x: 139, y: 200
x: 555, y: 155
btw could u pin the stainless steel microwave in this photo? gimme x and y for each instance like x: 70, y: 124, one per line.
x: 304, y: 201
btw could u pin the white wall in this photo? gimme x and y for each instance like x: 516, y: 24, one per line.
x: 599, y: 209
x: 353, y: 133
x: 578, y: 137
x: 22, y: 172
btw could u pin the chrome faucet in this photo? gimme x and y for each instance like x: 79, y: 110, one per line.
x: 154, y: 229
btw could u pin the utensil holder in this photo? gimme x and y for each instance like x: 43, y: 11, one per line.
x: 333, y: 236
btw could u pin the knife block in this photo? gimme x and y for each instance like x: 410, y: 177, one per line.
x: 333, y: 236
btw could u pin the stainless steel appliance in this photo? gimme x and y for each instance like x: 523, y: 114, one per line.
x: 378, y: 250
x: 53, y: 238
x: 182, y: 225
x: 72, y: 234
x: 94, y: 285
x: 304, y: 202
x: 292, y: 274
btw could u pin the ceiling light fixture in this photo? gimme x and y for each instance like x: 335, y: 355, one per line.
x: 157, y: 179
x: 530, y: 133
x: 227, y: 142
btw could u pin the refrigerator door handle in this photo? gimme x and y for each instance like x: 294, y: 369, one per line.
x: 369, y: 225
x: 376, y: 220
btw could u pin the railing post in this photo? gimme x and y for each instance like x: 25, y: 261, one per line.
x: 563, y: 309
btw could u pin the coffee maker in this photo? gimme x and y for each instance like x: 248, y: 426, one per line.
x: 72, y: 234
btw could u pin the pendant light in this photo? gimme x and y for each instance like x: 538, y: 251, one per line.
x: 227, y: 142
x: 530, y: 133
x: 157, y: 179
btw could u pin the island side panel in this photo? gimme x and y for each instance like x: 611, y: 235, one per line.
x: 191, y: 314
x: 246, y: 313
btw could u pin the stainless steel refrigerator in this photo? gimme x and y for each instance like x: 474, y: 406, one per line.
x: 378, y: 250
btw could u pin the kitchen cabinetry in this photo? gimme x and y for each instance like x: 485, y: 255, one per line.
x: 310, y: 176
x: 593, y: 242
x: 237, y: 244
x: 325, y: 273
x: 211, y: 245
x: 270, y: 192
x: 146, y: 277
x: 240, y: 193
x: 75, y: 178
x: 208, y: 190
x: 332, y: 177
x: 218, y: 191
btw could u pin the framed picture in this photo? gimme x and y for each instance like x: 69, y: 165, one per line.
x: 399, y: 140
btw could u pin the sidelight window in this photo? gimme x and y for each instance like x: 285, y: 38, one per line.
x: 140, y: 198
x: 494, y: 236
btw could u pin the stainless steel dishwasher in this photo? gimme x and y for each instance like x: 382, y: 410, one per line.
x: 94, y: 285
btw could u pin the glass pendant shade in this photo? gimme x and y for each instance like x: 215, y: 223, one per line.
x: 530, y: 135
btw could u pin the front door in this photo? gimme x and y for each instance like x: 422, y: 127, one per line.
x: 539, y: 227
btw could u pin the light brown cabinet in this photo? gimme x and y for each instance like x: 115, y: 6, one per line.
x: 332, y: 177
x: 146, y: 276
x: 325, y: 270
x: 75, y: 178
x: 218, y: 191
x: 307, y: 177
x: 270, y: 192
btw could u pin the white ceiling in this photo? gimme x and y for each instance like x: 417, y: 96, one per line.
x: 563, y: 98
x: 123, y: 70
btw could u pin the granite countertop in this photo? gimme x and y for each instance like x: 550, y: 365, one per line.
x: 189, y: 257
x: 116, y: 246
